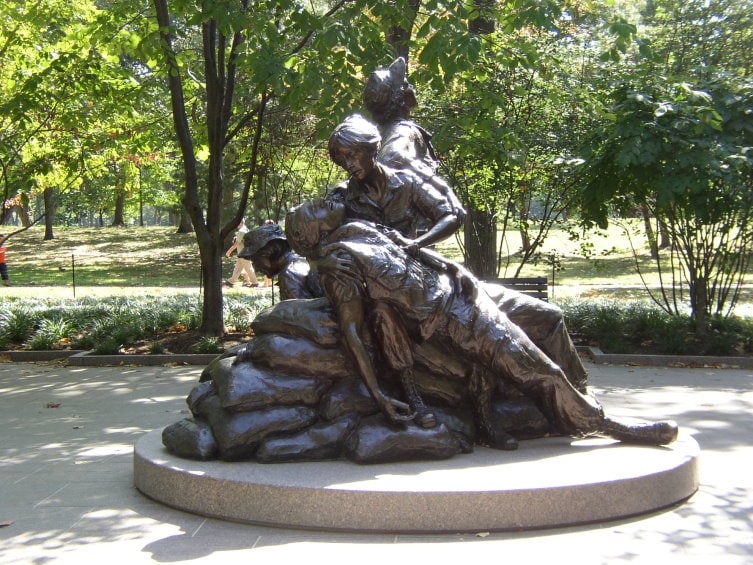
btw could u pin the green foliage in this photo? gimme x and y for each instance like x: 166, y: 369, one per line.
x: 240, y: 312
x: 74, y: 109
x: 676, y: 145
x: 50, y: 333
x: 684, y: 154
x: 17, y: 323
x: 676, y: 142
x: 642, y: 327
x: 208, y: 345
x: 108, y: 324
x: 106, y: 346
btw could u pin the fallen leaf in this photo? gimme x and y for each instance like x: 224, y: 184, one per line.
x: 53, y: 404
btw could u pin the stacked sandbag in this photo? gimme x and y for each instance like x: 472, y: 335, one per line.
x: 292, y: 394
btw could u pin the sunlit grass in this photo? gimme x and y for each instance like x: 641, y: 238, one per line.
x: 91, y: 262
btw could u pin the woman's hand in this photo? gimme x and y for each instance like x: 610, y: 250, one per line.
x: 335, y: 261
x: 465, y: 283
x: 395, y: 410
x: 411, y: 248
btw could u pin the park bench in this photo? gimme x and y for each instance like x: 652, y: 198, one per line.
x: 534, y: 286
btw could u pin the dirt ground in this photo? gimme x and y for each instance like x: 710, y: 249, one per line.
x: 182, y: 342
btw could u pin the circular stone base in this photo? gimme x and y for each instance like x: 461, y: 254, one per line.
x: 545, y: 483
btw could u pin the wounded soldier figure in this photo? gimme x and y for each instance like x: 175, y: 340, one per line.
x: 439, y: 300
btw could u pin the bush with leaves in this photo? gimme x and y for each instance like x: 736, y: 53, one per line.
x: 106, y: 325
x: 642, y: 327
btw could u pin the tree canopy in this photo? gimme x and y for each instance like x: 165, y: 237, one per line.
x: 218, y: 110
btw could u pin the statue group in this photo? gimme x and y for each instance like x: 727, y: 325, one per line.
x: 381, y: 349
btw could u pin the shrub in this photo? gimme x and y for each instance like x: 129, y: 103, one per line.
x: 17, y: 324
x: 107, y: 346
x: 642, y: 327
x: 105, y: 325
x: 209, y: 345
x: 49, y: 334
x: 240, y: 310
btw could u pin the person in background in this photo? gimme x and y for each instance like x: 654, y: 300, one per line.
x: 242, y: 266
x: 3, y: 264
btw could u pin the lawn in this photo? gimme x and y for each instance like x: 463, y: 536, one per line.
x: 157, y: 260
x: 112, y: 257
x: 135, y: 286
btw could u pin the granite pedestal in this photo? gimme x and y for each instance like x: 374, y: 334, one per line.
x: 545, y: 483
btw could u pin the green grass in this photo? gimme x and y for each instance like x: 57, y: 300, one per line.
x: 157, y: 261
x: 133, y: 283
x: 143, y: 257
x: 159, y: 258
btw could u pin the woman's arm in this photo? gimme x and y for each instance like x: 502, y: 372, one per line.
x: 442, y: 229
x: 350, y: 316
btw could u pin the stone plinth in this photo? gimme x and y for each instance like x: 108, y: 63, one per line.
x: 545, y: 483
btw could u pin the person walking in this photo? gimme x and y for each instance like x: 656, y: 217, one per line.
x: 3, y: 264
x: 242, y: 266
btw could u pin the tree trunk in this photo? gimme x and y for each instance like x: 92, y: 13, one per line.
x: 141, y: 199
x: 207, y: 231
x: 650, y: 233
x: 22, y: 213
x: 665, y: 239
x: 699, y: 305
x: 481, y: 226
x: 212, y: 321
x: 525, y: 238
x: 398, y: 36
x: 118, y: 219
x: 49, y: 212
x: 184, y: 225
x: 481, y: 243
x: 523, y: 208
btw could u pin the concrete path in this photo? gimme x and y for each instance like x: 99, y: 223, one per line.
x: 66, y: 488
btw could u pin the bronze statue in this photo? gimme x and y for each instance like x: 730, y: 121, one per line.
x: 381, y: 349
x: 398, y: 199
x: 390, y: 98
x: 443, y: 301
x: 269, y: 252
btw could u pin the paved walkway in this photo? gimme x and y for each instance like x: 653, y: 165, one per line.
x: 66, y: 443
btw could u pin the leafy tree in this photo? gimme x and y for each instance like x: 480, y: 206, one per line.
x: 685, y: 155
x: 254, y: 57
x: 74, y: 104
x: 510, y: 125
x: 677, y: 143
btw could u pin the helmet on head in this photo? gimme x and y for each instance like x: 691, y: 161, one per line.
x: 257, y: 238
x: 379, y: 95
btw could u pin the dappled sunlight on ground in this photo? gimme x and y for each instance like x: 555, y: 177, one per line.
x: 66, y: 480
